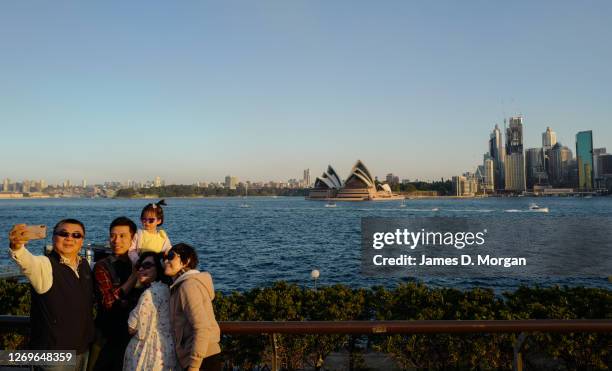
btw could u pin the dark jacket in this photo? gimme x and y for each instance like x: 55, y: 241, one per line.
x: 113, y: 321
x: 62, y: 318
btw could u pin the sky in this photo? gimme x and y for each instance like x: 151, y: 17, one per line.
x: 196, y: 90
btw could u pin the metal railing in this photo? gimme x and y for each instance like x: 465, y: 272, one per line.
x: 521, y: 327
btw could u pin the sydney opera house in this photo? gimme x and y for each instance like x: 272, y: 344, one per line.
x: 359, y: 186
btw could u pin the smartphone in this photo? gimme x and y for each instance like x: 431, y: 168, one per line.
x: 35, y: 232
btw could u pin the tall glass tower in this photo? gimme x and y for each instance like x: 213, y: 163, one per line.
x: 496, y: 150
x: 584, y: 159
x: 515, y: 158
x: 536, y: 173
x: 560, y: 158
x: 549, y: 139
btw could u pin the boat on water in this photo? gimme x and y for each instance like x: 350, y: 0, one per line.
x: 244, y: 203
x: 403, y: 203
x: 535, y: 208
x: 329, y: 202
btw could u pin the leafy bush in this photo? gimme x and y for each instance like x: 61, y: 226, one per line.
x: 14, y: 300
x: 412, y: 301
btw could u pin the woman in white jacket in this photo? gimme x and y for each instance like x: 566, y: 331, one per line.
x: 152, y: 346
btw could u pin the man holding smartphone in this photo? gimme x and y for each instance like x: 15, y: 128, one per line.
x: 61, y: 313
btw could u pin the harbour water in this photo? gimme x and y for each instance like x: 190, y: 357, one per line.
x: 285, y: 238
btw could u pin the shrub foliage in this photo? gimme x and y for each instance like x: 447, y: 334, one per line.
x: 413, y: 301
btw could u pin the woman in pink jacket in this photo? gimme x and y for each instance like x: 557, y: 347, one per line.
x: 195, y: 329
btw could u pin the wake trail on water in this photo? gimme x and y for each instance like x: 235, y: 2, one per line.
x: 471, y: 210
x: 523, y: 211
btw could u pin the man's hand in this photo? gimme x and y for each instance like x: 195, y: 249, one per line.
x: 18, y: 237
x: 132, y: 331
x: 133, y: 278
x: 129, y: 284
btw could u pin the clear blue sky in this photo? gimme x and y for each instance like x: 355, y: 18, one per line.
x: 195, y: 90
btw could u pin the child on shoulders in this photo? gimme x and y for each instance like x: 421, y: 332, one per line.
x: 150, y: 237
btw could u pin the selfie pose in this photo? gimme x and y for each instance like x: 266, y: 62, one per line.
x: 61, y: 312
x: 195, y: 329
x: 152, y: 346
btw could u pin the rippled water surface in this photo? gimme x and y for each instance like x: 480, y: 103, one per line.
x: 285, y: 238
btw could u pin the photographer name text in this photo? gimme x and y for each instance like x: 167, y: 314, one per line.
x: 423, y: 238
x: 463, y: 260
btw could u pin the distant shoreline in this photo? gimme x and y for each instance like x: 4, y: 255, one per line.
x: 408, y: 198
x: 196, y: 196
x: 135, y: 197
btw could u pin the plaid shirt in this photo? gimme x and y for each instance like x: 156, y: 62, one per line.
x: 108, y: 293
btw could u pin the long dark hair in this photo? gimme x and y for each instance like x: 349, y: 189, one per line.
x: 159, y: 268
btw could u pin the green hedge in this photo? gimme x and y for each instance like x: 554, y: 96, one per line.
x: 289, y: 302
x: 14, y: 300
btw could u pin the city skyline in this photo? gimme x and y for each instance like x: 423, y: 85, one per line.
x: 488, y: 145
x: 261, y: 90
x: 548, y: 168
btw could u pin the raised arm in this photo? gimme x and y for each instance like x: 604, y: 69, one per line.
x: 37, y: 269
x: 107, y: 294
x: 135, y: 247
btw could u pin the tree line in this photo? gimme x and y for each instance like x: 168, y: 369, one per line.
x: 443, y: 187
x: 195, y: 191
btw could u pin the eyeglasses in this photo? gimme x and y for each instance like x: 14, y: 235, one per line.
x: 145, y: 265
x: 65, y: 234
x: 148, y: 220
x: 170, y: 256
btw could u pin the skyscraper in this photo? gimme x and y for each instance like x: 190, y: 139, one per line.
x: 157, y: 182
x: 306, y: 178
x: 596, y: 174
x: 488, y: 165
x: 584, y: 159
x: 515, y: 160
x: 549, y: 139
x: 560, y: 157
x: 536, y: 173
x: 496, y: 150
x: 5, y: 184
x: 605, y: 165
